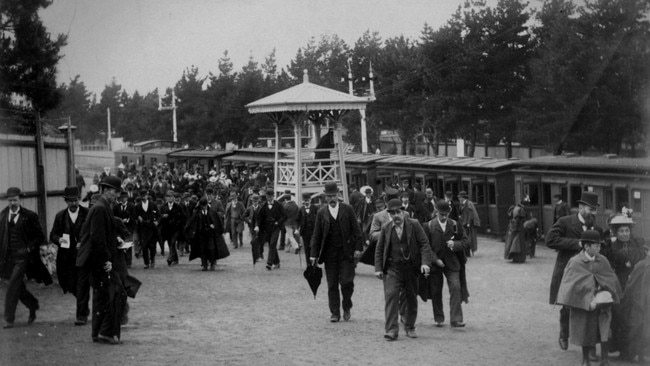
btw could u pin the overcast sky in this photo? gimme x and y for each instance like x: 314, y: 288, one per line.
x: 146, y: 44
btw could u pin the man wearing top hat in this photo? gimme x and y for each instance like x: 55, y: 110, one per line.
x: 146, y: 215
x: 337, y: 241
x: 564, y: 237
x: 234, y: 219
x: 66, y: 235
x: 172, y: 221
x: 402, y: 252
x: 98, y: 253
x: 270, y: 220
x: 306, y: 222
x: 448, y: 243
x: 20, y: 238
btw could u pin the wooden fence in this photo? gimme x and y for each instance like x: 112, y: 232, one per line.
x: 41, y: 168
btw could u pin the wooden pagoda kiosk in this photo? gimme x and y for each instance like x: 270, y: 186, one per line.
x: 306, y: 107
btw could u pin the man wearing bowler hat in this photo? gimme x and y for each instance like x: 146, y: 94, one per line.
x: 337, y: 241
x: 66, y: 235
x: 448, y: 243
x: 98, y: 253
x: 146, y: 216
x: 564, y: 237
x: 402, y: 251
x: 123, y: 210
x: 20, y: 238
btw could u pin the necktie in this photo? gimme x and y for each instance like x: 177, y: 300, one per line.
x: 12, y: 217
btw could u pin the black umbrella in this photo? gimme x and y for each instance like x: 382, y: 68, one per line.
x: 313, y: 275
x: 131, y: 286
x: 255, y: 250
x: 368, y: 255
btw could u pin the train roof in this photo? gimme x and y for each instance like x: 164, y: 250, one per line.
x: 199, y: 153
x: 605, y: 162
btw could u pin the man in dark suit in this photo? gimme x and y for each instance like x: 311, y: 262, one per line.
x: 205, y: 233
x: 454, y: 214
x: 560, y: 208
x: 98, y: 254
x: 172, y: 221
x: 66, y: 234
x: 355, y: 195
x: 123, y: 210
x: 564, y: 237
x: 306, y: 222
x: 402, y: 251
x: 234, y: 220
x: 146, y: 216
x: 448, y: 242
x: 20, y: 238
x: 270, y: 220
x: 250, y: 217
x: 337, y: 241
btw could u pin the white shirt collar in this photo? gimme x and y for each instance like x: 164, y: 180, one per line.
x: 17, y: 214
x: 590, y: 258
x: 334, y: 211
x: 145, y: 205
x: 443, y: 225
x: 73, y: 215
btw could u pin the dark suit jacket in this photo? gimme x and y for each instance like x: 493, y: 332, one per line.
x: 126, y: 214
x: 175, y: 220
x: 307, y: 221
x: 30, y: 229
x: 419, y: 248
x: 268, y: 220
x: 98, y: 237
x: 350, y: 230
x: 147, y: 229
x: 66, y: 258
x: 454, y: 258
x: 560, y: 210
x: 564, y: 237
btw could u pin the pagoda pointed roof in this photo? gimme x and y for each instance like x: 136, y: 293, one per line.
x: 307, y: 97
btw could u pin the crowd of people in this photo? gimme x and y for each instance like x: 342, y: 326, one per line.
x: 413, y: 239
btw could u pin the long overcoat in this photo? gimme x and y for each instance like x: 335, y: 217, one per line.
x: 419, y: 248
x: 66, y: 258
x: 350, y: 232
x: 564, y: 237
x: 192, y: 229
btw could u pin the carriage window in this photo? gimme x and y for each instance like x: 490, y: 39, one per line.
x: 465, y: 186
x: 532, y: 190
x: 546, y: 193
x: 637, y: 202
x: 576, y: 193
x: 492, y: 193
x: 608, y: 199
x: 478, y: 193
x: 622, y: 199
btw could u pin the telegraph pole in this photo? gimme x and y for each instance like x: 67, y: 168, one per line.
x: 173, y: 109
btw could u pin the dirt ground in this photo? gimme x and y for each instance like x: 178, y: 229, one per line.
x: 243, y: 315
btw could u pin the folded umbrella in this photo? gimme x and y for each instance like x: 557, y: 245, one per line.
x: 313, y: 275
x: 255, y: 250
x: 131, y: 286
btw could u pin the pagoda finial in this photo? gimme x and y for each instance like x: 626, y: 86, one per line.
x: 305, y: 76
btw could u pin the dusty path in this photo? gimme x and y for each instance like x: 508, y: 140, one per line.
x: 245, y: 315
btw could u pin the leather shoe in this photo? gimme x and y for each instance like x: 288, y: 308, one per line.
x: 390, y: 337
x: 564, y: 344
x: 32, y: 315
x: 9, y: 325
x: 212, y: 266
x: 457, y: 324
x: 81, y: 321
x: 107, y: 340
x: 335, y: 318
x: 204, y: 268
x: 346, y: 315
x: 146, y: 266
x: 592, y: 354
x: 440, y: 324
x: 411, y: 333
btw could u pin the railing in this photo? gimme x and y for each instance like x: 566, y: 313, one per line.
x: 93, y: 147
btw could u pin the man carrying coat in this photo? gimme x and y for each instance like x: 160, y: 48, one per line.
x: 448, y: 243
x: 336, y: 242
x: 402, y: 251
x: 20, y: 239
x: 98, y: 254
x: 564, y: 237
x: 66, y: 234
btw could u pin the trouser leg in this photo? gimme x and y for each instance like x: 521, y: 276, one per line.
x: 392, y: 287
x: 173, y: 253
x: 346, y: 280
x: 307, y: 247
x: 455, y: 309
x: 83, y: 292
x: 334, y: 299
x: 436, y: 294
x: 273, y: 258
x: 409, y: 294
x: 564, y: 322
x: 16, y: 290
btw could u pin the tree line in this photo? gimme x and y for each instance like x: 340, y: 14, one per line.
x: 563, y: 76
